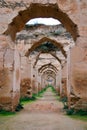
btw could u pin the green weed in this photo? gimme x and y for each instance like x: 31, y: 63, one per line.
x: 6, y: 113
x: 79, y: 117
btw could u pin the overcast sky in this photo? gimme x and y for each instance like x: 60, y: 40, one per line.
x: 46, y: 21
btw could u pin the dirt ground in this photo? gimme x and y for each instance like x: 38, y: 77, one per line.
x: 43, y: 114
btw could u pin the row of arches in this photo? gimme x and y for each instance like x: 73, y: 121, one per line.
x: 74, y: 60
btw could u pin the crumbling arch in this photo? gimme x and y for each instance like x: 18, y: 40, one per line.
x: 57, y: 58
x: 47, y: 66
x: 45, y: 39
x: 49, y: 74
x: 36, y: 10
x: 49, y: 69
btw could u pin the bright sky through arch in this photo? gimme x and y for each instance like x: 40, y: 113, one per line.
x: 45, y: 21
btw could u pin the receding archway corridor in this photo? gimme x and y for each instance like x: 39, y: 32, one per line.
x: 44, y: 114
x: 36, y: 56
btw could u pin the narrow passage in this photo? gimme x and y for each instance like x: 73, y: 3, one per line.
x: 44, y: 114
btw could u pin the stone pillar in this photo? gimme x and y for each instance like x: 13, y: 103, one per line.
x: 42, y: 81
x: 60, y: 81
x: 25, y: 68
x: 79, y: 74
x: 68, y: 77
x: 16, y: 80
x: 10, y: 78
x: 39, y: 82
x: 25, y: 77
x: 36, y: 79
x: 30, y: 75
x: 64, y: 80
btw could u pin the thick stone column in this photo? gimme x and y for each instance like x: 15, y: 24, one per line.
x: 30, y: 75
x: 16, y: 80
x: 36, y: 79
x: 10, y: 78
x: 79, y: 75
x: 42, y: 81
x: 26, y: 89
x: 68, y: 77
x: 64, y: 81
x: 60, y: 81
x: 39, y: 82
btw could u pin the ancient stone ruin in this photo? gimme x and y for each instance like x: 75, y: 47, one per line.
x: 31, y: 57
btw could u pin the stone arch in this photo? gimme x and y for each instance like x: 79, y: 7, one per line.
x: 48, y: 74
x: 49, y: 69
x: 53, y: 55
x: 47, y: 66
x: 45, y: 39
x: 36, y: 10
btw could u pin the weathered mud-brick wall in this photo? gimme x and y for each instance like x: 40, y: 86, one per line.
x: 39, y: 80
x: 58, y: 81
x: 26, y: 89
x: 64, y: 87
x: 6, y: 74
x: 77, y: 11
x: 39, y: 87
x: 25, y: 68
x: 64, y: 81
x: 79, y: 78
x: 9, y: 76
x: 34, y: 87
x: 16, y: 79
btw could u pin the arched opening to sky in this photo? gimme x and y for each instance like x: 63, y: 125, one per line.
x: 45, y: 21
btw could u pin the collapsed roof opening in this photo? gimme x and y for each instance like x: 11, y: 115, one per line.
x: 42, y: 21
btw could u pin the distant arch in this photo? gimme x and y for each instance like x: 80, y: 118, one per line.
x: 46, y: 39
x: 47, y: 66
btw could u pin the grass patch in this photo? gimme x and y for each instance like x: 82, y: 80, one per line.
x: 25, y: 100
x: 79, y: 117
x: 80, y: 112
x: 19, y: 107
x: 75, y: 114
x: 52, y: 88
x: 40, y: 94
x: 10, y: 113
x: 34, y: 97
x: 64, y: 100
x: 54, y: 91
x: 6, y: 113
